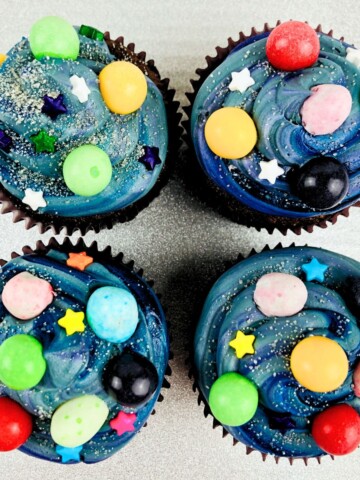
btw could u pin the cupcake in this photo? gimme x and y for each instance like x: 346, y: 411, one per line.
x: 276, y: 353
x: 83, y: 353
x: 83, y: 128
x: 274, y: 125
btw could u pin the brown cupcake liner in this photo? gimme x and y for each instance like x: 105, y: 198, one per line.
x: 69, y: 225
x: 203, y: 187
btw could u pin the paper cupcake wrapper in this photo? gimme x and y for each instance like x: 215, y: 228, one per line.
x: 203, y: 187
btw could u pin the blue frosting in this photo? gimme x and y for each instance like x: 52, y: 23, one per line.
x: 281, y: 425
x: 274, y: 103
x: 25, y: 81
x: 75, y: 363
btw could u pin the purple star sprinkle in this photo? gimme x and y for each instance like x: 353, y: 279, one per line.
x: 150, y: 158
x: 282, y: 422
x: 5, y: 141
x: 53, y: 106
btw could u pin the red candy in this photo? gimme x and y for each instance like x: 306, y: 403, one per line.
x: 336, y: 430
x: 15, y: 425
x: 292, y: 45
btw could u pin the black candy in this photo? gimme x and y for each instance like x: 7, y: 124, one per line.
x: 130, y: 379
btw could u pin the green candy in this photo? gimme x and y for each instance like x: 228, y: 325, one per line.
x: 54, y: 37
x: 233, y: 399
x: 87, y: 170
x: 22, y: 364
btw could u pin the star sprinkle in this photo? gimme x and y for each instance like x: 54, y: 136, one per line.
x: 79, y: 261
x: 241, y: 81
x: 3, y: 57
x: 68, y: 454
x: 282, y: 422
x: 353, y: 56
x: 314, y: 270
x: 43, y: 142
x: 53, y: 106
x: 242, y: 344
x: 91, y: 32
x: 123, y: 422
x: 270, y: 171
x: 150, y: 158
x: 5, y: 141
x: 72, y: 322
x: 35, y: 199
x: 79, y: 88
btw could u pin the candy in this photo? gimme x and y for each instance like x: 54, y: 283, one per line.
x: 233, y: 399
x: 22, y: 365
x: 87, y: 170
x: 78, y: 420
x: 150, y: 158
x: 123, y: 422
x: 53, y: 107
x: 54, y: 37
x: 292, y: 45
x: 26, y: 296
x: 243, y: 344
x: 336, y: 430
x: 112, y: 313
x: 280, y: 294
x: 230, y: 133
x: 72, y: 321
x: 356, y: 380
x: 353, y: 295
x: 43, y: 142
x: 130, y: 379
x: 319, y: 364
x: 15, y: 425
x: 35, y: 199
x: 79, y: 261
x: 3, y: 57
x: 270, y: 170
x: 314, y: 270
x: 123, y: 87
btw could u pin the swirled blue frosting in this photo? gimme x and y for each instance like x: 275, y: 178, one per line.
x: 281, y: 425
x: 274, y: 103
x: 75, y: 363
x: 23, y: 83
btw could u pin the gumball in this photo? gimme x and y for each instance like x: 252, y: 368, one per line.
x: 130, y: 379
x: 319, y: 364
x: 233, y: 399
x: 15, y: 425
x: 230, y: 133
x: 54, y: 37
x: 87, y: 170
x: 336, y: 430
x: 292, y: 45
x: 22, y: 364
x: 321, y: 183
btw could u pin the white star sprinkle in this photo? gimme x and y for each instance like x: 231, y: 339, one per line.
x: 270, y: 171
x: 79, y: 88
x: 353, y: 56
x: 241, y: 81
x: 34, y: 199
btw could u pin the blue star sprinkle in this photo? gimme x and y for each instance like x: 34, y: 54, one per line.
x: 150, y: 158
x: 68, y: 454
x: 314, y: 270
x: 5, y: 141
x: 53, y: 106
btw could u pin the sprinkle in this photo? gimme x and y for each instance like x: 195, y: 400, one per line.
x: 150, y: 158
x: 34, y: 199
x: 80, y: 88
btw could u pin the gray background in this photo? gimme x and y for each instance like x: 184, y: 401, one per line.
x: 178, y: 241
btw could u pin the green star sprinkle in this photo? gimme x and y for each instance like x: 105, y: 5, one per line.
x: 91, y: 32
x: 43, y: 142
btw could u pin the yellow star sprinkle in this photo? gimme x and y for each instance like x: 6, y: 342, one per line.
x: 3, y: 57
x: 242, y: 344
x: 72, y: 321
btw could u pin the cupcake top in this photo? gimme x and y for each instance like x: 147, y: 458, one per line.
x: 276, y: 124
x: 277, y: 349
x: 81, y: 133
x: 83, y: 353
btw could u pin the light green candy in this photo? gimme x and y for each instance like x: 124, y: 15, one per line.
x: 54, y: 37
x: 78, y: 420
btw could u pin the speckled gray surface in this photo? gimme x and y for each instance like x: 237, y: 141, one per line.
x: 179, y: 242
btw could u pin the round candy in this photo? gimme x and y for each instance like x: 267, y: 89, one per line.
x: 22, y: 364
x: 78, y: 420
x: 26, y: 296
x: 292, y: 45
x: 87, y: 170
x: 233, y: 399
x: 336, y: 430
x: 319, y: 364
x: 322, y: 183
x: 123, y: 87
x: 280, y: 294
x: 130, y: 379
x: 15, y: 425
x: 230, y: 133
x: 356, y: 380
x: 54, y: 37
x: 112, y: 313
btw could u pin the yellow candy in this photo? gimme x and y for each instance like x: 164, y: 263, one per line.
x: 3, y: 57
x: 123, y: 87
x: 319, y: 364
x: 230, y: 133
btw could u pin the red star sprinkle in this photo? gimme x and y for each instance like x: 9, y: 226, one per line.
x: 79, y: 261
x: 123, y: 422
